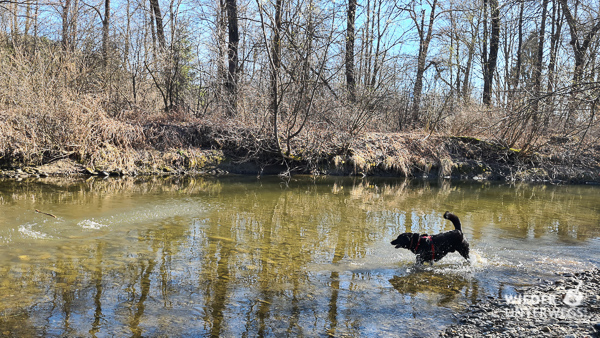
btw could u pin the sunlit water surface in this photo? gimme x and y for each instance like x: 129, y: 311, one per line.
x: 246, y: 257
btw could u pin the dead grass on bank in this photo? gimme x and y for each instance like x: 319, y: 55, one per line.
x: 55, y: 106
x: 79, y: 130
x: 402, y: 154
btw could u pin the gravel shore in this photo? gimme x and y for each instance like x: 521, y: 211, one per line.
x: 567, y: 307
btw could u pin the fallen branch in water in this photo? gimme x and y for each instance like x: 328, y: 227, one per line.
x: 45, y: 213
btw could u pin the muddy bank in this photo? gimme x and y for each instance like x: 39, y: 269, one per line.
x: 373, y: 154
x: 465, y: 158
x: 566, y: 307
x: 129, y: 163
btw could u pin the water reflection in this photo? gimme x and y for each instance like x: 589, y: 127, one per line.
x: 443, y: 287
x: 241, y: 257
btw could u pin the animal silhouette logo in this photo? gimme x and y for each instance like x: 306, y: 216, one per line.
x: 574, y: 297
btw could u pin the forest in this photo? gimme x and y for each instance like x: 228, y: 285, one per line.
x: 295, y: 79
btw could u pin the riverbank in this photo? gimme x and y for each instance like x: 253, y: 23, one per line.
x: 567, y: 307
x: 200, y: 150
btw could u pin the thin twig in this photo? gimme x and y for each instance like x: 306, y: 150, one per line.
x: 45, y: 213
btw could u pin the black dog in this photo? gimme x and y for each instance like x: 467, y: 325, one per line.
x: 433, y: 248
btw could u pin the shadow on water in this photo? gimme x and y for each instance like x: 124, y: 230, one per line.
x: 241, y: 257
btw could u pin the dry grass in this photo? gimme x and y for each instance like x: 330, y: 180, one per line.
x: 55, y: 105
x: 44, y: 133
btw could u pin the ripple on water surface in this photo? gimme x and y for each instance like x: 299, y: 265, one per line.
x: 235, y: 257
x: 27, y: 231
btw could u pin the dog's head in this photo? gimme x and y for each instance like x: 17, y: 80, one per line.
x: 403, y: 240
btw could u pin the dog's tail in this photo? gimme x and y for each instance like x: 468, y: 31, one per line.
x: 452, y: 217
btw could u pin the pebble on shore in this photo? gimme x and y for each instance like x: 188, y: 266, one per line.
x: 567, y: 307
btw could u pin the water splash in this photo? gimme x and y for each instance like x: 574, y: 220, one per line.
x: 89, y: 224
x: 27, y: 231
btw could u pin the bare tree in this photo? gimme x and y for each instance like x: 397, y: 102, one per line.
x: 538, y: 64
x: 517, y: 76
x: 274, y: 58
x: 490, y: 56
x: 350, y: 38
x: 425, y: 34
x: 473, y: 25
x: 160, y: 33
x: 557, y: 22
x: 105, y: 31
x: 231, y: 81
x: 105, y: 19
x: 534, y: 115
x: 69, y: 23
x: 275, y: 69
x: 580, y: 42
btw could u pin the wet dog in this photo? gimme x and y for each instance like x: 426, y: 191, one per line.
x: 433, y: 248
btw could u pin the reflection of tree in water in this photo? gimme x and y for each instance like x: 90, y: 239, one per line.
x: 216, y: 291
x: 162, y: 242
x: 445, y: 285
x: 97, y: 278
x: 246, y: 261
x: 18, y: 324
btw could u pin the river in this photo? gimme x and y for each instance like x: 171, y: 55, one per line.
x: 246, y: 257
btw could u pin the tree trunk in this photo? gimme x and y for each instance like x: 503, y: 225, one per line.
x: 74, y: 24
x: 276, y: 65
x: 231, y: 82
x: 27, y: 18
x: 105, y: 31
x: 534, y: 116
x: 557, y: 21
x: 160, y: 33
x: 366, y: 46
x: 153, y: 30
x: 491, y: 59
x: 14, y: 30
x: 507, y: 49
x: 519, y: 48
x: 350, y: 78
x: 424, y: 40
x: 65, y: 25
x: 35, y: 23
x: 537, y: 80
x: 376, y: 65
x: 457, y: 39
x: 127, y: 32
x: 579, y: 50
x: 467, y: 78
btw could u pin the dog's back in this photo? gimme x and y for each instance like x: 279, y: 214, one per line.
x: 435, y: 247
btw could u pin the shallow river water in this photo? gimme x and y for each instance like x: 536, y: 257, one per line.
x: 242, y: 257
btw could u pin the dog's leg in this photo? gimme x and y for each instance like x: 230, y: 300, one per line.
x: 464, y: 251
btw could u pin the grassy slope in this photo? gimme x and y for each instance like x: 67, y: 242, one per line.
x: 87, y: 141
x: 57, y: 114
